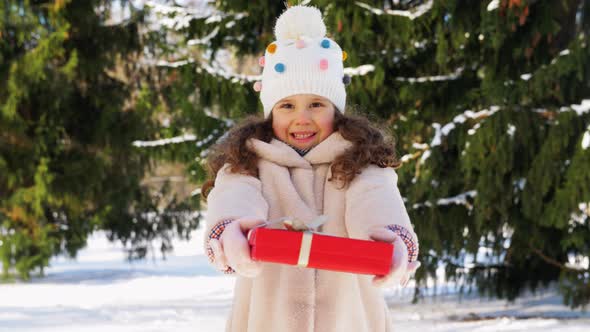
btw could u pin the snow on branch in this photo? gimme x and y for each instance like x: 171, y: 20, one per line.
x: 437, y: 78
x: 177, y: 17
x: 411, y: 14
x: 580, y: 217
x: 578, y: 262
x: 493, y: 5
x: 173, y: 64
x: 460, y: 199
x: 219, y: 71
x: 160, y: 142
x: 586, y: 139
x: 205, y: 40
x: 176, y: 140
x: 468, y: 114
x: 359, y: 71
x: 562, y: 53
x: 583, y: 107
x: 528, y: 76
x: 419, y: 146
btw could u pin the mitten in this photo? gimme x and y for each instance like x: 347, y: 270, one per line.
x: 234, y: 250
x: 401, y: 270
x: 213, y: 247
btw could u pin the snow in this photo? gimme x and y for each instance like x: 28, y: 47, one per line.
x: 460, y: 199
x: 425, y: 156
x: 359, y: 71
x: 176, y: 140
x: 411, y: 14
x: 520, y: 184
x: 493, y: 5
x: 440, y: 132
x: 196, y: 192
x: 511, y: 130
x: 172, y: 140
x: 220, y: 67
x: 526, y: 77
x: 100, y: 291
x: 580, y: 217
x: 562, y: 53
x: 586, y: 139
x: 578, y: 262
x: 436, y: 140
x: 205, y: 40
x: 164, y: 63
x: 179, y: 17
x: 437, y: 78
x: 583, y: 107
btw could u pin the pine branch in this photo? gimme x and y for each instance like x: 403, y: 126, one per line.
x: 552, y: 261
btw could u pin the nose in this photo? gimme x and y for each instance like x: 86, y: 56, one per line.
x: 303, y: 116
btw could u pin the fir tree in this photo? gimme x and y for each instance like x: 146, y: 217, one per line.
x: 70, y: 110
x: 489, y: 102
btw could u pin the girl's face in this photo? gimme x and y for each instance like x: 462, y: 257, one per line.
x: 303, y: 120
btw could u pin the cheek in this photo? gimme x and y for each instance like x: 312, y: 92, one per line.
x: 280, y: 129
x: 326, y: 126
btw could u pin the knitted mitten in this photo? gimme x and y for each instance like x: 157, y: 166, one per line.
x: 401, y: 270
x: 234, y: 249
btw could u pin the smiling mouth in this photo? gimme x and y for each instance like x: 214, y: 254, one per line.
x: 303, y: 136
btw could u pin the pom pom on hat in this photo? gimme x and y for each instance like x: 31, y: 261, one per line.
x: 302, y: 60
x: 300, y: 21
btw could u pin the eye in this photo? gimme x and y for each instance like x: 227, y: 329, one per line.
x: 317, y: 104
x: 286, y: 106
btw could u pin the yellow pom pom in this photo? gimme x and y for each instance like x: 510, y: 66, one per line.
x: 344, y: 55
x: 271, y: 48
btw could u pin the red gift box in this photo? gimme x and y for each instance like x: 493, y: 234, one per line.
x: 320, y: 251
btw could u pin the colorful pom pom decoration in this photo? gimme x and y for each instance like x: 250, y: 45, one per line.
x: 261, y: 61
x: 271, y: 48
x: 257, y: 86
x: 279, y: 67
x: 344, y: 55
x: 346, y: 80
x: 323, y: 64
x: 325, y: 43
x: 300, y: 43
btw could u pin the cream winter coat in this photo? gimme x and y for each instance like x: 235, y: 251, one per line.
x: 292, y: 299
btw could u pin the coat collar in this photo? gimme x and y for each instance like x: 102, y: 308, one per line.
x: 284, y: 155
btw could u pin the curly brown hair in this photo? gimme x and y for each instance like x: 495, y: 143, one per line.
x: 370, y: 146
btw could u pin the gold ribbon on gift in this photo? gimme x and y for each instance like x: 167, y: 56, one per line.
x: 305, y: 249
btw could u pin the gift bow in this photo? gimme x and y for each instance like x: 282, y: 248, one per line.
x: 292, y: 224
x: 307, y: 229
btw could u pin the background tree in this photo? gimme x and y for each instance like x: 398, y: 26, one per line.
x: 489, y: 101
x: 70, y: 108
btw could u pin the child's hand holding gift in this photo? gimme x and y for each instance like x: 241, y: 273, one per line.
x: 401, y: 270
x: 233, y: 250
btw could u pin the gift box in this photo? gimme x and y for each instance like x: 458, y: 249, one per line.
x: 314, y: 250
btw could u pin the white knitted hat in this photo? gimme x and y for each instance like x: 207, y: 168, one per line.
x: 302, y: 61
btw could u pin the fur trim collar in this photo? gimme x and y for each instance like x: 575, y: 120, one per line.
x: 284, y: 155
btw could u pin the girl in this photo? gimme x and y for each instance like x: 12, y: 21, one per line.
x: 305, y: 159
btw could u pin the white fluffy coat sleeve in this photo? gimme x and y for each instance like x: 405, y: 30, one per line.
x: 373, y: 200
x: 234, y: 196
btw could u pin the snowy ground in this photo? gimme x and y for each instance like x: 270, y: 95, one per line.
x: 101, y: 292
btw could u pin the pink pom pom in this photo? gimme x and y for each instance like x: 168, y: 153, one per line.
x: 261, y: 61
x: 323, y: 64
x: 300, y: 43
x: 257, y: 86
